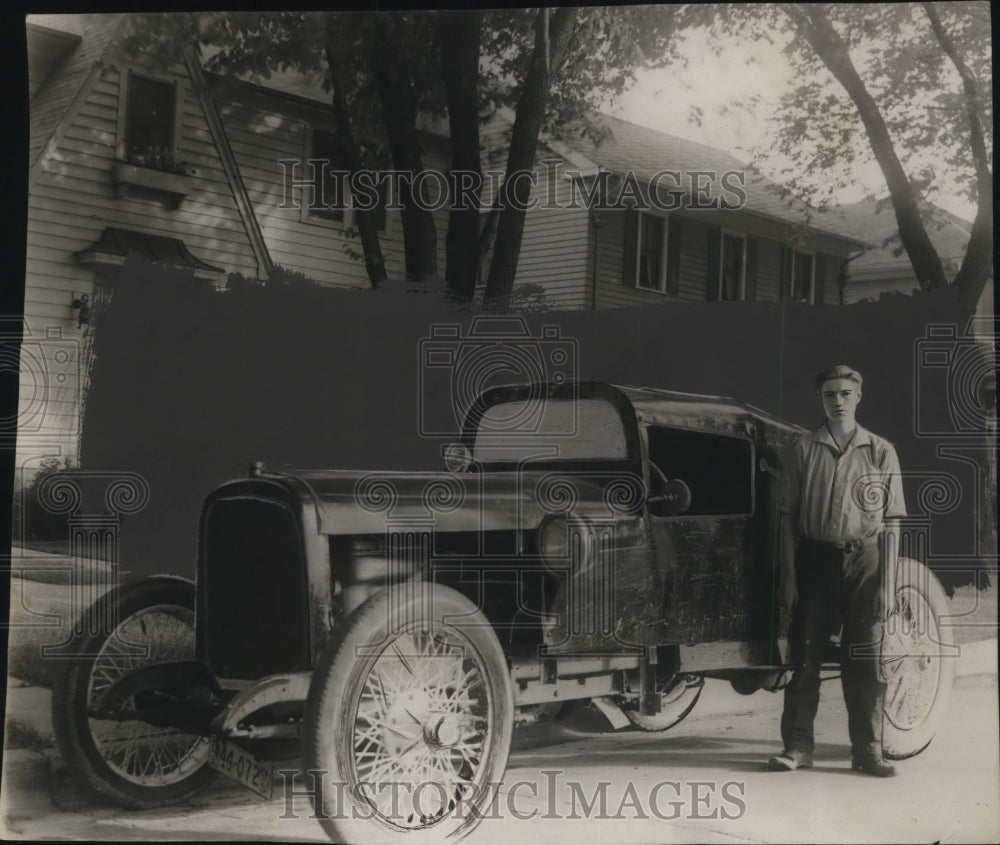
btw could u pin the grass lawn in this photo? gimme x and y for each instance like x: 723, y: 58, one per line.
x: 974, y: 613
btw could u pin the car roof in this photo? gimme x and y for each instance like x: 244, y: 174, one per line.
x: 654, y: 401
x: 657, y: 405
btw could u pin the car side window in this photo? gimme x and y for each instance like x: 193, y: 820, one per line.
x: 717, y: 469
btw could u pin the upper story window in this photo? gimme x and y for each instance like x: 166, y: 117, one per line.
x: 329, y: 194
x: 331, y: 191
x: 652, y: 251
x: 803, y: 282
x: 732, y: 267
x: 150, y: 124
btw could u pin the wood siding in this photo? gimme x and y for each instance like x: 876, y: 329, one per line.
x: 555, y: 249
x: 71, y: 200
x: 261, y: 137
x: 770, y: 238
x: 556, y: 257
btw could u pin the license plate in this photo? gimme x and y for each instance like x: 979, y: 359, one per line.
x: 241, y: 766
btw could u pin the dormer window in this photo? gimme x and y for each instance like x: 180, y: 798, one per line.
x: 150, y: 127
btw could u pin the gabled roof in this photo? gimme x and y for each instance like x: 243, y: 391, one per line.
x: 64, y: 82
x: 70, y: 80
x: 628, y: 147
x: 867, y: 220
x: 50, y: 39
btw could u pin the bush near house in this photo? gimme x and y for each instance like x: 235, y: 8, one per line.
x: 35, y: 525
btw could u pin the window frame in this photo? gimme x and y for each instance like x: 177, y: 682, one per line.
x: 664, y: 222
x: 741, y: 293
x: 180, y: 94
x: 307, y: 214
x: 646, y: 429
x: 796, y: 255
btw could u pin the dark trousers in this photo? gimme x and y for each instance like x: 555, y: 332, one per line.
x: 836, y: 587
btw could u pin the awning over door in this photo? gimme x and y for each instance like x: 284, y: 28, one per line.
x: 115, y: 245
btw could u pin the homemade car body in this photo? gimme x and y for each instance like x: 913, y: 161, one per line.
x: 620, y: 542
x: 295, y: 551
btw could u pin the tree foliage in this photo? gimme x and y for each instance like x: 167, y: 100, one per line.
x: 386, y: 71
x: 906, y: 85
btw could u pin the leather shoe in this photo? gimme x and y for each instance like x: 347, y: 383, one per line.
x: 873, y: 764
x: 789, y: 761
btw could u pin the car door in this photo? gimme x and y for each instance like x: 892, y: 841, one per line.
x: 708, y: 541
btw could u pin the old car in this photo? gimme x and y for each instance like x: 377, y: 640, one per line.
x: 584, y: 542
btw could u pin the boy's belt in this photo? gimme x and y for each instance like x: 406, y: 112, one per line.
x: 848, y: 546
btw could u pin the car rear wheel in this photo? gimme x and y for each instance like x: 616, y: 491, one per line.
x: 918, y: 659
x: 409, y: 719
x: 678, y: 697
x: 132, y: 763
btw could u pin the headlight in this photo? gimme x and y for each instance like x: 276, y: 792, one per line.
x: 565, y: 542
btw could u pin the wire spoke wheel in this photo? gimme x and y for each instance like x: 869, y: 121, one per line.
x: 421, y: 719
x: 135, y: 764
x: 138, y: 752
x: 918, y: 662
x: 410, y: 725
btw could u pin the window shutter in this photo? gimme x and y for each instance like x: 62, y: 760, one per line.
x: 819, y: 279
x: 629, y: 247
x: 673, y: 254
x: 714, y: 247
x: 785, y: 278
x: 751, y: 269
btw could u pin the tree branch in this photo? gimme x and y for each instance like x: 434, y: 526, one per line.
x: 395, y: 85
x: 365, y: 220
x: 460, y: 34
x: 552, y: 35
x: 978, y: 260
x: 812, y: 23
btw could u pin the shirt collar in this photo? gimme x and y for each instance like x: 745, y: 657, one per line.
x: 862, y: 437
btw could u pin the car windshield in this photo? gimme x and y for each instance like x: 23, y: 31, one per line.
x: 550, y: 429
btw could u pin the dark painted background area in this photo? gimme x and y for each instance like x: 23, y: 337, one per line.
x: 189, y: 384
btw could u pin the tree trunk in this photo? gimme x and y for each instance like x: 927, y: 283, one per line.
x: 978, y: 260
x: 551, y: 38
x: 485, y: 240
x: 812, y: 23
x: 365, y: 220
x: 460, y: 34
x: 399, y: 115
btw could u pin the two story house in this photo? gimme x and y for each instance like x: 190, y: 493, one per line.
x: 212, y: 177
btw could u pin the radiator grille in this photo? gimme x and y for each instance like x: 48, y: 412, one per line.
x: 253, y: 611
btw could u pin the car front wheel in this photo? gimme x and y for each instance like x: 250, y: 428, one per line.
x: 409, y: 719
x: 130, y: 762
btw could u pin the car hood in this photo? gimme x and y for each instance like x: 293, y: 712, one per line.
x: 369, y: 502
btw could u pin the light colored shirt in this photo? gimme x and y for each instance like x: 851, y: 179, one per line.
x: 836, y: 497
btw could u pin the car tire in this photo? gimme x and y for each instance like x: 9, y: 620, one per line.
x: 413, y: 690
x: 918, y: 659
x: 133, y: 764
x: 676, y: 701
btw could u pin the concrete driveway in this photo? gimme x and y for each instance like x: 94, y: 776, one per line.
x: 702, y: 781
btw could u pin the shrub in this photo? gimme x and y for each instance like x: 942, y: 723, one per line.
x: 32, y: 521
